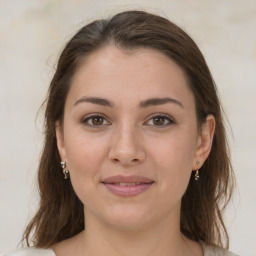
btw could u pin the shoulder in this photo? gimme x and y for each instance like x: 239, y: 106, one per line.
x: 32, y: 251
x: 216, y: 251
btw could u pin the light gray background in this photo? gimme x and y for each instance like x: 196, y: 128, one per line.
x: 32, y: 32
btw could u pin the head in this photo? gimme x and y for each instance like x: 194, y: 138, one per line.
x: 128, y: 36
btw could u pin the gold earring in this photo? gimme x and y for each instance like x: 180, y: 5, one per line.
x: 65, y: 171
x: 197, y: 171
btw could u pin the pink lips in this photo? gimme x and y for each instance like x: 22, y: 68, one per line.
x: 127, y: 185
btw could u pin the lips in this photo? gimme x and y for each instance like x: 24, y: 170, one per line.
x: 127, y: 185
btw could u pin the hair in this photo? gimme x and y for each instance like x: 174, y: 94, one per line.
x: 60, y: 214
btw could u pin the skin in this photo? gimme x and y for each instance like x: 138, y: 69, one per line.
x: 130, y: 140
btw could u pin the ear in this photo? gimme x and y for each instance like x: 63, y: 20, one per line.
x: 60, y: 141
x: 204, y: 142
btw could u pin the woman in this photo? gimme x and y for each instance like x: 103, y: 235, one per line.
x: 135, y: 159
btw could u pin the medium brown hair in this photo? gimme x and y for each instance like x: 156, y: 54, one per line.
x: 60, y: 214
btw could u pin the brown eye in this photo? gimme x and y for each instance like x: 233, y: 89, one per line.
x: 159, y: 120
x: 95, y: 120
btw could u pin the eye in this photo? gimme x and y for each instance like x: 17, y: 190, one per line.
x: 95, y: 120
x: 161, y: 120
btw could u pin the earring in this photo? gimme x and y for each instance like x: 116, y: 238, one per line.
x: 197, y: 171
x: 65, y: 171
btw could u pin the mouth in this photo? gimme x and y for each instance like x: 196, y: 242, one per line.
x: 127, y: 186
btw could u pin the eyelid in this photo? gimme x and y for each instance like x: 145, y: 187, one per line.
x: 166, y: 116
x: 88, y: 117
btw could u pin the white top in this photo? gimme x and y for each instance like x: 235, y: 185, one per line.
x: 31, y: 251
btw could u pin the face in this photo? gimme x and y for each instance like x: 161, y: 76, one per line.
x: 130, y: 137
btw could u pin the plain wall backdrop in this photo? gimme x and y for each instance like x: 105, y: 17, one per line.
x: 32, y: 34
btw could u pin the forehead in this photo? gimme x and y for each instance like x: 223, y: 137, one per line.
x: 138, y: 73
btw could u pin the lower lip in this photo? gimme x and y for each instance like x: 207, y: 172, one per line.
x: 127, y: 191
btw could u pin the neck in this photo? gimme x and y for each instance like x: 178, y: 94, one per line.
x: 163, y: 239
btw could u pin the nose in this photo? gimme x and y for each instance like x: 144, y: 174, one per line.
x: 127, y: 146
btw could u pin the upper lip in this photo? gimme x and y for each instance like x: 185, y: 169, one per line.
x: 127, y: 179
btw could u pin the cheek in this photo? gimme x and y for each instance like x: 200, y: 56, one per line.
x: 175, y: 151
x: 83, y: 150
x: 85, y: 155
x: 172, y: 158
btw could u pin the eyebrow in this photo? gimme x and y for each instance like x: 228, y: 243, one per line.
x: 159, y: 101
x: 95, y: 100
x: 143, y: 104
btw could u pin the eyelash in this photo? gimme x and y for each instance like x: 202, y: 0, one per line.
x: 166, y: 117
x: 90, y: 117
x: 160, y: 115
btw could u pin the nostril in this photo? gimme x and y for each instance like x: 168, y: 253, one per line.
x: 135, y: 160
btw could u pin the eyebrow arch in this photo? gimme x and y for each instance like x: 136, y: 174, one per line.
x: 159, y: 101
x: 143, y: 104
x: 95, y: 100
